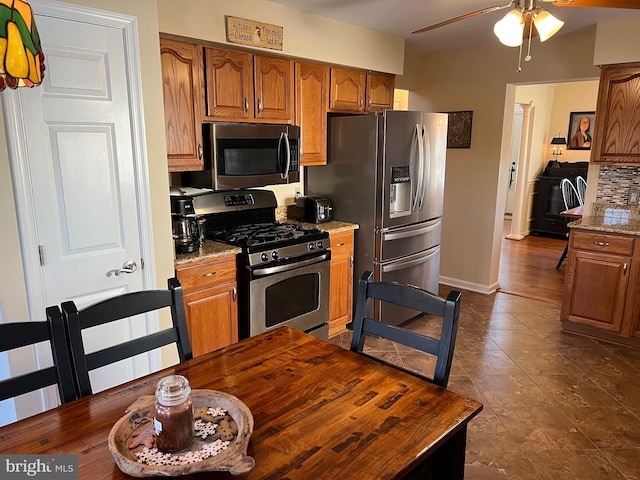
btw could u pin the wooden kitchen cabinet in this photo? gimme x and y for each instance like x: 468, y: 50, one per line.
x: 601, y: 283
x: 355, y: 90
x: 211, y: 303
x: 617, y: 123
x: 246, y: 87
x: 312, y: 96
x: 341, y: 290
x: 380, y: 88
x: 183, y: 87
x: 348, y: 90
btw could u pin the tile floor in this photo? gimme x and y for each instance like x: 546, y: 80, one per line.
x: 556, y: 406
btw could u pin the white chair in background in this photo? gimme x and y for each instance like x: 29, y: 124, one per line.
x: 581, y: 187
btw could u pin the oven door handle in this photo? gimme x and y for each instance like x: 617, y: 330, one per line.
x: 291, y: 266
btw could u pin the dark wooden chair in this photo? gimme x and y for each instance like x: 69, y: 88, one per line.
x: 20, y: 334
x: 416, y: 299
x: 119, y: 307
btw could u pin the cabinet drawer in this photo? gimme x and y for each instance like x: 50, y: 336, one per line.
x: 207, y: 273
x: 341, y: 243
x: 599, y: 242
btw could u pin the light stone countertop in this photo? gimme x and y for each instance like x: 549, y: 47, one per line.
x: 611, y: 218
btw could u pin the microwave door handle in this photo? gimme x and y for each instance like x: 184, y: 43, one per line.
x: 284, y: 173
x: 418, y: 164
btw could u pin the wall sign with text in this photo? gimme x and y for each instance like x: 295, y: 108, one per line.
x: 252, y: 33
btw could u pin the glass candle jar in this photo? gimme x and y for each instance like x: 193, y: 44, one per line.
x: 173, y: 414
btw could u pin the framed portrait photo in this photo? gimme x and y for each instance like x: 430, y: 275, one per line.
x: 581, y: 128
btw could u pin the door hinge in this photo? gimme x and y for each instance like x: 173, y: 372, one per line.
x: 41, y: 254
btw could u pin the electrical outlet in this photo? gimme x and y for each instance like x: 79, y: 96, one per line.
x: 634, y: 196
x: 297, y: 192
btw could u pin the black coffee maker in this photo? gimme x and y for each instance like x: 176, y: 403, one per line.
x: 188, y: 228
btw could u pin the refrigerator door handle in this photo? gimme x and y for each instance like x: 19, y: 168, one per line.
x: 411, y: 262
x: 418, y: 183
x: 413, y: 232
x: 426, y: 165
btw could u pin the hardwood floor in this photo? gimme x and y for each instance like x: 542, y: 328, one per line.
x: 528, y: 267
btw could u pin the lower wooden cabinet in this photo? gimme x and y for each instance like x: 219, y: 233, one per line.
x: 211, y: 303
x: 601, y: 286
x: 341, y: 294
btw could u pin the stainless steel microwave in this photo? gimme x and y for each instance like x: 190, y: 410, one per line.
x: 246, y: 155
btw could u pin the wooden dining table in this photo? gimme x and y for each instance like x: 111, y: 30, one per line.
x: 320, y: 412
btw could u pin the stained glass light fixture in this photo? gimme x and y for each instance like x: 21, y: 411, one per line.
x: 21, y: 57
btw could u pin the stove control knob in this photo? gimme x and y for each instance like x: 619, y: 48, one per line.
x: 274, y: 254
x: 264, y: 257
x: 320, y: 244
x: 312, y: 247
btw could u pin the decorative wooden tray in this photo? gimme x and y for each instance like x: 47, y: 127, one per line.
x: 233, y: 459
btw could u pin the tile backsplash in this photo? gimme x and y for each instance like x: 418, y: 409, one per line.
x: 614, y: 182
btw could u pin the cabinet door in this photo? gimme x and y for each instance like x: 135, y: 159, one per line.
x: 347, y: 90
x: 274, y: 89
x: 341, y: 290
x: 183, y: 89
x: 595, y: 289
x: 380, y: 91
x: 212, y: 318
x: 312, y: 92
x: 229, y: 84
x: 617, y: 119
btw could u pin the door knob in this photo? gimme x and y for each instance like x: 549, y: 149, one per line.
x: 127, y: 267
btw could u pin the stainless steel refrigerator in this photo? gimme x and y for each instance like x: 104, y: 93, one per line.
x: 385, y: 172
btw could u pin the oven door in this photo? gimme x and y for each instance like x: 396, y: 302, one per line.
x: 294, y: 294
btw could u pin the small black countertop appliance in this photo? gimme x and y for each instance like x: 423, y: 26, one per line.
x: 187, y: 227
x: 314, y: 208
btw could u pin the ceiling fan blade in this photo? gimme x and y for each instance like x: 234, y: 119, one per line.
x: 631, y: 4
x: 463, y: 17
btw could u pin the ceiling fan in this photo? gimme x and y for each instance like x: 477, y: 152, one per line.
x: 528, y: 20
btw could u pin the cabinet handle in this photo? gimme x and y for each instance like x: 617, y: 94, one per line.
x: 360, y: 101
x: 602, y: 244
x: 209, y: 274
x: 259, y: 105
x: 624, y: 268
x: 246, y: 105
x: 200, y: 151
x: 340, y: 244
x: 234, y: 294
x: 351, y: 261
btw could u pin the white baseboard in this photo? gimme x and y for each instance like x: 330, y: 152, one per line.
x: 473, y: 287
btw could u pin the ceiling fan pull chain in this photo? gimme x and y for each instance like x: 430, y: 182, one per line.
x: 519, y: 59
x: 528, y: 57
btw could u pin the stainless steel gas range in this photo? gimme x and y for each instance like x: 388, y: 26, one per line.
x: 283, y: 270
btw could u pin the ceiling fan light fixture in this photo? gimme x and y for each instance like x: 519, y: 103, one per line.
x: 546, y: 24
x: 509, y: 29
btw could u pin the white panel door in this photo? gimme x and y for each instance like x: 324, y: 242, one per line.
x: 83, y: 178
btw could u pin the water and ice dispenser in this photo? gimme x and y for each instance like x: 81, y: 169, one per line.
x: 400, y: 192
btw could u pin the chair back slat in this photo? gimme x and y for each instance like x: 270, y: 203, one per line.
x: 21, y: 334
x: 416, y: 299
x: 117, y: 308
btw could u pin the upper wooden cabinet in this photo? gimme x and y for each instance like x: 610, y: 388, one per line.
x: 617, y: 116
x: 355, y: 90
x: 312, y: 94
x: 246, y: 87
x: 348, y: 88
x: 182, y: 84
x: 380, y: 91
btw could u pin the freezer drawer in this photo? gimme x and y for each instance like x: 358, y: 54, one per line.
x: 421, y: 270
x: 404, y: 241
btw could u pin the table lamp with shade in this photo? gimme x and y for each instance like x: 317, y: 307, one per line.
x: 558, y: 143
x: 21, y: 57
